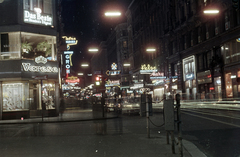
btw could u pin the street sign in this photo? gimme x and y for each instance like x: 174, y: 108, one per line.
x: 45, y: 77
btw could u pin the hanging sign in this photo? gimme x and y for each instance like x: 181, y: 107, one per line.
x: 147, y: 69
x: 157, y: 76
x: 70, y: 41
x: 113, y: 72
x: 68, y: 60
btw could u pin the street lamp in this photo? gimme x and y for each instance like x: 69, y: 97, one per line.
x: 151, y: 50
x: 93, y: 50
x: 113, y: 14
x: 84, y: 65
x: 80, y: 74
x: 126, y: 64
x: 211, y: 11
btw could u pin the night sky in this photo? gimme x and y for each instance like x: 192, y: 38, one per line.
x: 85, y: 20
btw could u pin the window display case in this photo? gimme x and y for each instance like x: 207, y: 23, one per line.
x: 15, y: 96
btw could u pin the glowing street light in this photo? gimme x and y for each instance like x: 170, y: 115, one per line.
x: 84, y: 65
x: 151, y: 50
x: 213, y: 11
x: 93, y: 50
x: 126, y: 64
x: 113, y: 14
x: 80, y: 74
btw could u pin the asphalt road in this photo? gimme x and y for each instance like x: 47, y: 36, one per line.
x: 215, y: 130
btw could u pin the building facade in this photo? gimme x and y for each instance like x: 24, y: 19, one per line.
x: 29, y: 74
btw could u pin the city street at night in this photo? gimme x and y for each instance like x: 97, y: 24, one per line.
x: 211, y: 129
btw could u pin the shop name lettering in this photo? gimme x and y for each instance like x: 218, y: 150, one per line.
x: 37, y: 18
x: 31, y: 68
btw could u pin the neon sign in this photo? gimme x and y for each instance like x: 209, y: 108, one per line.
x: 68, y: 60
x: 70, y: 41
x: 147, y: 69
x: 34, y: 68
x: 113, y: 72
x: 114, y: 66
x: 37, y: 18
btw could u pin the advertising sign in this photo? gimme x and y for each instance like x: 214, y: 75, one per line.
x: 28, y: 67
x: 147, y: 69
x: 36, y: 17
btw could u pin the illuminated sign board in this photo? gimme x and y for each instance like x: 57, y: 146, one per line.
x: 189, y: 76
x: 113, y: 72
x: 72, y: 80
x: 114, y: 66
x: 68, y: 60
x: 33, y: 68
x: 70, y: 41
x: 111, y: 83
x: 37, y: 17
x: 147, y: 69
x: 157, y: 76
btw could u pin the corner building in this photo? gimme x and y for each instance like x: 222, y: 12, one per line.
x: 29, y: 73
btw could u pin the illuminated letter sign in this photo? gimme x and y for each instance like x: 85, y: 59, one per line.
x: 157, y: 76
x: 70, y: 41
x: 147, y: 69
x: 37, y: 17
x: 68, y: 60
x: 33, y: 68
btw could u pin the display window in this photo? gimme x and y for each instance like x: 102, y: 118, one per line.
x: 34, y: 45
x: 228, y: 82
x: 17, y: 45
x: 48, y: 94
x: 230, y: 51
x: 15, y: 96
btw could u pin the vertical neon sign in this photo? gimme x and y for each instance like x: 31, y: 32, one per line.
x: 68, y: 61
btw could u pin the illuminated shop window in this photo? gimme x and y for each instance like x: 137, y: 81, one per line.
x: 15, y: 96
x: 10, y: 45
x: 34, y: 45
x: 48, y: 94
x: 228, y: 82
x: 17, y: 45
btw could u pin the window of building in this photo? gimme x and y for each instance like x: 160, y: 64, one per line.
x: 15, y: 96
x: 48, y: 94
x: 44, y: 5
x: 16, y: 45
x: 125, y: 43
x: 10, y: 45
x: 231, y: 53
x: 228, y: 82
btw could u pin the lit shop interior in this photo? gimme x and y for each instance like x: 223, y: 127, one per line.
x: 16, y: 45
x: 23, y: 92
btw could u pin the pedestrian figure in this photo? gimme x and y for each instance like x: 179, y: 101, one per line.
x: 61, y: 107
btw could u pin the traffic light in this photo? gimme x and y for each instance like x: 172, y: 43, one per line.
x: 236, y: 4
x: 97, y: 80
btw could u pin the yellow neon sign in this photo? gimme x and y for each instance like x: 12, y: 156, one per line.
x: 70, y: 41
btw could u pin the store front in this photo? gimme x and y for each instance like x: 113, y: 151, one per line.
x: 231, y: 56
x: 189, y: 77
x: 29, y: 79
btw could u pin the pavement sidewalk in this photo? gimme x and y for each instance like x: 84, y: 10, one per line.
x: 156, y: 143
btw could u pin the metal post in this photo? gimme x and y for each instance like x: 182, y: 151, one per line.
x: 147, y: 116
x: 173, y: 140
x: 179, y: 127
x: 42, y: 99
